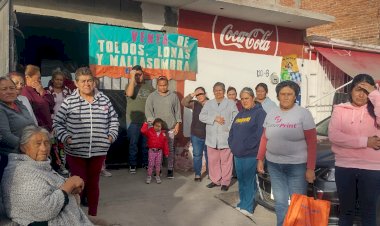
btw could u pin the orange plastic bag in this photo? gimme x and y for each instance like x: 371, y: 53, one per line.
x: 307, y: 211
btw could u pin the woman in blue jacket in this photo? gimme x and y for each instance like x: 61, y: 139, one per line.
x: 244, y: 140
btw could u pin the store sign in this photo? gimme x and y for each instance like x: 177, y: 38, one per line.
x: 244, y: 36
x: 115, y: 50
x: 290, y: 71
x: 218, y: 32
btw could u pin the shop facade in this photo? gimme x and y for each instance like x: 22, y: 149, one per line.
x: 237, y: 51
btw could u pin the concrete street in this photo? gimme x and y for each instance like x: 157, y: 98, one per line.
x: 126, y: 200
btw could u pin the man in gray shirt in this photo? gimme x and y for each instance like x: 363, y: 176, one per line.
x: 164, y: 104
x: 137, y: 92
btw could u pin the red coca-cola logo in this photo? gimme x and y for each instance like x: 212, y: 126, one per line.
x: 244, y: 36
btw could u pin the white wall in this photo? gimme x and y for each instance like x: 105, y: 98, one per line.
x: 319, y: 87
x: 240, y: 70
x: 233, y: 69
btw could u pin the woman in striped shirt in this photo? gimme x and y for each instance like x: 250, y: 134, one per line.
x: 87, y: 124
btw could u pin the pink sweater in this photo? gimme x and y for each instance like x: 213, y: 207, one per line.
x: 349, y: 130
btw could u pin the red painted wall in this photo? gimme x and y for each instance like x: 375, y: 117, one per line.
x: 238, y: 35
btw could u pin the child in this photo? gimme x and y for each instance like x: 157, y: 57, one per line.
x: 158, y: 145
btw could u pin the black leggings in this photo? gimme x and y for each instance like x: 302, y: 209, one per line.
x: 357, y: 185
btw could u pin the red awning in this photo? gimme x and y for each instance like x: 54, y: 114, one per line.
x: 353, y: 62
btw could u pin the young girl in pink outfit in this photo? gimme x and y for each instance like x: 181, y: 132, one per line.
x: 158, y: 145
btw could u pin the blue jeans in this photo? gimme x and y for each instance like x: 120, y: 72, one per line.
x: 286, y: 179
x: 136, y: 140
x: 361, y: 183
x: 246, y: 175
x: 199, y: 148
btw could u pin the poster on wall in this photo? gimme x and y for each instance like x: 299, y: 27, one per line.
x: 115, y: 50
x: 290, y: 71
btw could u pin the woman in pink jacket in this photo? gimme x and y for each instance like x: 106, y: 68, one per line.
x: 355, y: 138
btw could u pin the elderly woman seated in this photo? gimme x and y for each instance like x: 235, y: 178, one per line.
x: 35, y: 194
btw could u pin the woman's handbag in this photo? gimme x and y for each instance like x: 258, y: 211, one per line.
x: 307, y: 211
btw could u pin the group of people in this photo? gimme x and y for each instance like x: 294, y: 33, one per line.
x: 248, y: 135
x: 153, y: 121
x: 81, y: 121
x: 284, y: 139
x: 284, y: 135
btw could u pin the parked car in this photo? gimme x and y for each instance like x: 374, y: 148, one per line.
x: 324, y: 172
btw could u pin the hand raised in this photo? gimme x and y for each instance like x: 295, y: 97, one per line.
x: 38, y: 87
x: 366, y: 86
x: 133, y: 73
x: 373, y: 142
x: 198, y: 91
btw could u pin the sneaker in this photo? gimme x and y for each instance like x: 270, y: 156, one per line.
x: 158, y: 180
x: 148, y: 179
x: 197, y: 178
x: 132, y: 169
x: 246, y: 213
x: 105, y: 173
x: 170, y: 174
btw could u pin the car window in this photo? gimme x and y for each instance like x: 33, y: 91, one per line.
x: 323, y: 127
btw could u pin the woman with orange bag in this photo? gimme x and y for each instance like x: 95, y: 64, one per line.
x: 354, y: 134
x: 289, y: 144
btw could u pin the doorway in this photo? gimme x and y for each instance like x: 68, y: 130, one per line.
x: 51, y: 42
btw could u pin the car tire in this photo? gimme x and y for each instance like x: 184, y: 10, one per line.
x: 263, y: 203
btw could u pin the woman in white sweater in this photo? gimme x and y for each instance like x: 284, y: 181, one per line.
x: 218, y: 114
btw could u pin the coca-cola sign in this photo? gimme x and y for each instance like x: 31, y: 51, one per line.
x: 244, y: 36
x: 218, y: 32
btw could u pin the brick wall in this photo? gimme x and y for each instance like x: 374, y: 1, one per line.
x: 356, y: 20
x: 290, y: 3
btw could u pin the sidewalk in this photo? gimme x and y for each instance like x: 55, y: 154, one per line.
x: 125, y: 199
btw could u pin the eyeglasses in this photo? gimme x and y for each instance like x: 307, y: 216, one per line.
x: 199, y: 94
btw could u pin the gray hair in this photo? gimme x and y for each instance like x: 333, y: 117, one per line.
x: 247, y: 90
x: 6, y: 78
x: 83, y: 71
x: 29, y: 131
x: 15, y: 73
x: 57, y: 72
x: 220, y: 84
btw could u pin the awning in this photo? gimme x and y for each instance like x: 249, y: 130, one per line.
x: 353, y: 62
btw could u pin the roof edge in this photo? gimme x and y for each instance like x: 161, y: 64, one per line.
x: 333, y: 42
